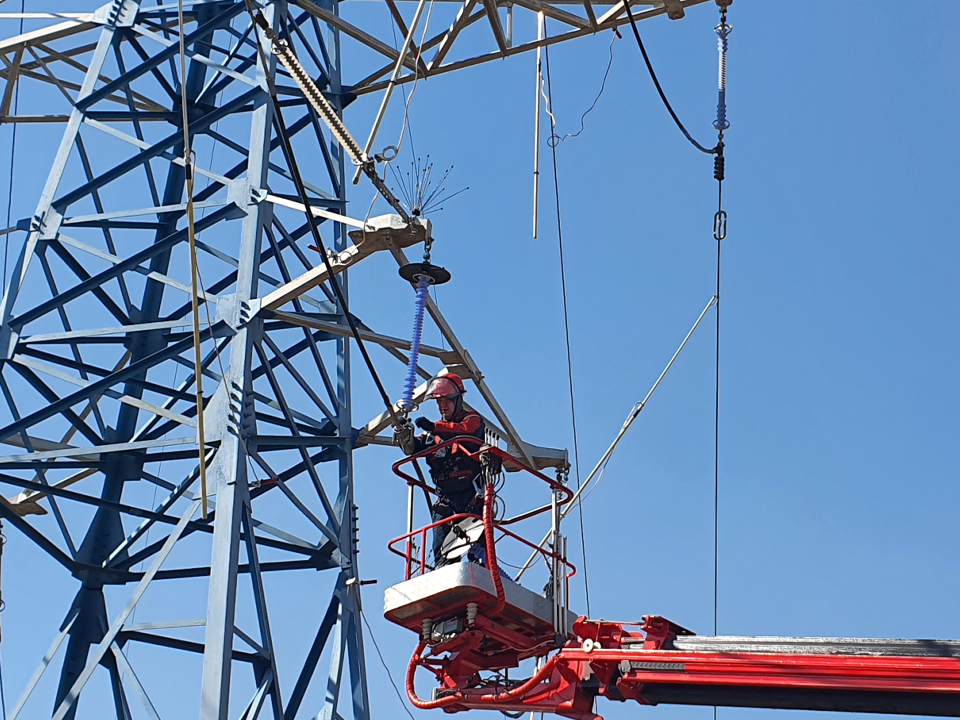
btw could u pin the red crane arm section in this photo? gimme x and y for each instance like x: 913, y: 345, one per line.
x: 790, y: 673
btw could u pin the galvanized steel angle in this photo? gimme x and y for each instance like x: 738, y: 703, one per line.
x: 150, y: 63
x: 45, y: 662
x: 128, y: 670
x: 310, y: 467
x: 195, y: 56
x: 263, y: 615
x: 76, y: 421
x: 97, y: 387
x: 161, y: 509
x: 78, y: 269
x: 117, y: 625
x: 150, y: 274
x: 124, y: 265
x: 304, y: 385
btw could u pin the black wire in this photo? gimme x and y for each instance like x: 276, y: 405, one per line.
x: 314, y: 230
x: 385, y: 666
x: 663, y: 96
x: 716, y: 454
x: 566, y: 327
x: 603, y: 86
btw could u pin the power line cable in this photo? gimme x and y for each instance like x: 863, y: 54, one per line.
x: 656, y: 82
x: 566, y: 327
x: 719, y: 233
x: 384, y: 663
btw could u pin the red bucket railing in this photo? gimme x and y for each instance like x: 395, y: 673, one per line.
x: 477, y: 455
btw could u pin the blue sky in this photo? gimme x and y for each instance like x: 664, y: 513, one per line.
x: 839, y: 336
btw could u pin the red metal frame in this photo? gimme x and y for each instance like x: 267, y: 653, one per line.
x: 425, y: 566
x: 635, y: 661
x: 482, y: 449
x: 599, y: 665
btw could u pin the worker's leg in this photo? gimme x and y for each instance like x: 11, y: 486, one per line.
x: 441, y: 511
x: 450, y: 503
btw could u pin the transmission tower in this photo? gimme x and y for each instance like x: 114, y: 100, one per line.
x: 97, y: 367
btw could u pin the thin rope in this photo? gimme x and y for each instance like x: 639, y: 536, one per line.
x: 566, y: 328
x: 603, y: 86
x: 194, y: 271
x: 13, y: 155
x: 385, y: 666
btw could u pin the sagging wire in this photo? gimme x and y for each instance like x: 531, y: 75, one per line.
x: 603, y: 87
x: 543, y: 100
x: 385, y: 666
x: 395, y: 75
x: 416, y: 80
x: 391, y: 152
x: 188, y: 161
x: 566, y: 326
x: 656, y: 82
x: 287, y: 150
x: 721, y: 124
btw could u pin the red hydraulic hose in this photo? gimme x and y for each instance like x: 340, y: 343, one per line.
x: 491, y: 546
x: 491, y: 543
x: 506, y: 695
x: 412, y: 690
x: 520, y: 690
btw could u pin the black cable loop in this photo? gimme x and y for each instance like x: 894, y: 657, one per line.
x: 656, y: 82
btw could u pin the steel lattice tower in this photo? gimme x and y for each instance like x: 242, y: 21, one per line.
x: 96, y: 368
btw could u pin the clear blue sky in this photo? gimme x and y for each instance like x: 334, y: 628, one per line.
x: 840, y: 344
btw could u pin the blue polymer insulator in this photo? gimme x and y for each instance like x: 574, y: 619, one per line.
x: 423, y: 286
x: 723, y: 31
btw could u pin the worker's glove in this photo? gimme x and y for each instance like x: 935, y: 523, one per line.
x: 403, y: 436
x: 425, y: 424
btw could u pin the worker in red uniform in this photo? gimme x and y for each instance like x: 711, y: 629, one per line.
x: 455, y: 475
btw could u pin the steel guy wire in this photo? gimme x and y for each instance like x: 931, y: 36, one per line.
x: 566, y: 327
x: 601, y: 465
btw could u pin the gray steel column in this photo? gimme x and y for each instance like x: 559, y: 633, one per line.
x: 228, y: 476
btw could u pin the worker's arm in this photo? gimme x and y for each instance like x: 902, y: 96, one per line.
x: 470, y: 425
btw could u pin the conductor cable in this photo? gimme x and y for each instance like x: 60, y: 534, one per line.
x: 291, y: 159
x: 656, y: 82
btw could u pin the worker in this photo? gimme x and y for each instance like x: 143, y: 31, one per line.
x: 455, y: 474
